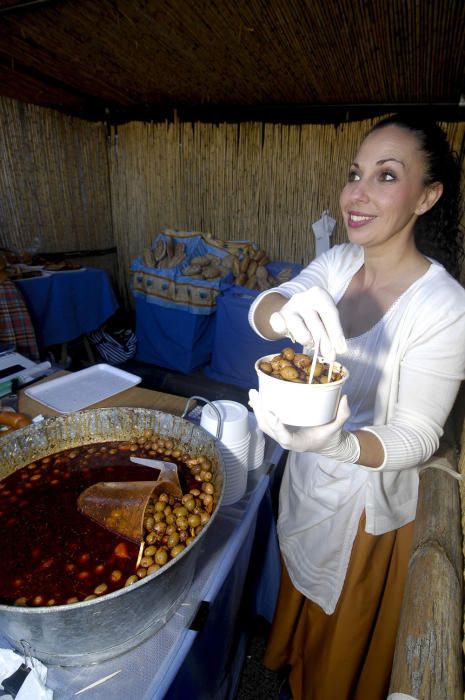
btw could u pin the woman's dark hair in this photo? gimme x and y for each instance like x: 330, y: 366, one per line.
x: 438, y: 232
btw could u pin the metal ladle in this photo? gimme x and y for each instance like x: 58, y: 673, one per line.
x: 119, y: 506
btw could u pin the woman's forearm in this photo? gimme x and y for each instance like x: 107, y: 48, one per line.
x: 267, y: 306
x: 371, y: 449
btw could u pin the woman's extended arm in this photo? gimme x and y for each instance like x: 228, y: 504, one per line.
x: 269, y: 304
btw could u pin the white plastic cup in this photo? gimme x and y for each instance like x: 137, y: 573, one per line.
x: 256, y: 459
x: 234, y: 419
x: 236, y: 476
x: 257, y: 444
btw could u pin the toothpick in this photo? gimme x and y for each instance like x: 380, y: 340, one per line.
x: 314, y: 361
x: 99, y: 682
x: 330, y: 371
x: 141, y: 551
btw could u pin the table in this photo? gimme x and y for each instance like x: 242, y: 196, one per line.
x: 200, y: 651
x: 133, y: 397
x: 66, y: 305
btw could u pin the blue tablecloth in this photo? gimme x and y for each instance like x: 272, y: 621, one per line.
x: 236, y: 347
x: 173, y: 338
x: 66, y: 305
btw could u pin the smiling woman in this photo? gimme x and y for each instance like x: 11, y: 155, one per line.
x: 349, y: 493
x: 437, y: 231
x: 386, y: 191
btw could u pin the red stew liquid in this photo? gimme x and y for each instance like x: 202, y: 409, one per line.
x: 52, y: 554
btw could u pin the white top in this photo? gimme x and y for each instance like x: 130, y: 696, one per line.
x: 405, y: 372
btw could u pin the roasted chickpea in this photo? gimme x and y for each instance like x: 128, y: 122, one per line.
x: 288, y: 353
x: 152, y: 569
x: 302, y: 361
x: 149, y: 523
x: 290, y: 373
x: 194, y: 520
x: 145, y: 562
x: 177, y: 550
x: 181, y: 523
x: 173, y: 540
x: 116, y: 575
x: 152, y: 537
x: 161, y: 557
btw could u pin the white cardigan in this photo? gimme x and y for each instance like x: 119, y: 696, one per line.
x: 321, y: 500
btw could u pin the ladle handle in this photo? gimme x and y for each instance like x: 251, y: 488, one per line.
x: 212, y: 405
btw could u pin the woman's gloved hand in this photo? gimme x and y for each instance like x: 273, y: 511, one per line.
x: 309, y: 316
x: 329, y: 439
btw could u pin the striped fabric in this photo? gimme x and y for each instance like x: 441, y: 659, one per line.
x: 114, y: 348
x: 16, y: 327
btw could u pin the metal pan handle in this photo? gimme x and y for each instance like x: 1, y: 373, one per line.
x: 212, y: 405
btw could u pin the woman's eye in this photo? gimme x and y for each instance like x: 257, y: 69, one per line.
x: 353, y: 176
x: 387, y: 176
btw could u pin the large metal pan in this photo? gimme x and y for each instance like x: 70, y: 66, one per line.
x: 95, y: 630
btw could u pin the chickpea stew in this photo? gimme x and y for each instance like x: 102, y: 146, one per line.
x: 293, y: 366
x: 52, y: 554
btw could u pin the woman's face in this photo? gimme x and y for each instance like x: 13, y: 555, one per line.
x: 385, y: 191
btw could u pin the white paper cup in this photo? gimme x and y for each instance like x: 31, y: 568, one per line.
x: 239, y: 445
x: 300, y: 404
x: 236, y: 476
x: 256, y: 459
x: 234, y: 416
x: 257, y: 444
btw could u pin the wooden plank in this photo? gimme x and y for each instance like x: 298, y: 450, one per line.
x: 428, y: 657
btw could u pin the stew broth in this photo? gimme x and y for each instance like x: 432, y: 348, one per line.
x: 51, y: 554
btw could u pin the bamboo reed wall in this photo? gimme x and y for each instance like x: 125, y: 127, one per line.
x: 265, y: 183
x: 53, y: 180
x: 80, y: 188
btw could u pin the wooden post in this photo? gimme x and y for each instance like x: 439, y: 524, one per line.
x: 428, y: 657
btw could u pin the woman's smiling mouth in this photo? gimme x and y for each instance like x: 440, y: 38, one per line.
x: 356, y: 219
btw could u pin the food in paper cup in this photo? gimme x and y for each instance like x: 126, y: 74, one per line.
x: 283, y: 383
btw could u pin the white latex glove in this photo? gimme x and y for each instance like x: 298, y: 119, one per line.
x: 329, y: 439
x: 308, y: 316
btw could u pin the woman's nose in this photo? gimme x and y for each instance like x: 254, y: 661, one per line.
x: 359, y: 191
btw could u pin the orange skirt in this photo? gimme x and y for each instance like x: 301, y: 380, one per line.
x: 347, y: 655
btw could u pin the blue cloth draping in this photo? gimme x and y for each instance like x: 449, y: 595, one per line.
x: 66, y: 305
x: 236, y: 347
x: 170, y: 288
x: 171, y: 337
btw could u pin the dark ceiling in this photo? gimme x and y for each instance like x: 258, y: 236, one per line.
x: 233, y: 59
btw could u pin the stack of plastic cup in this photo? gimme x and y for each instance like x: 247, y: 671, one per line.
x: 234, y: 445
x: 257, y: 444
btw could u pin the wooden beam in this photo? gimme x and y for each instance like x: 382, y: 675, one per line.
x: 428, y: 658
